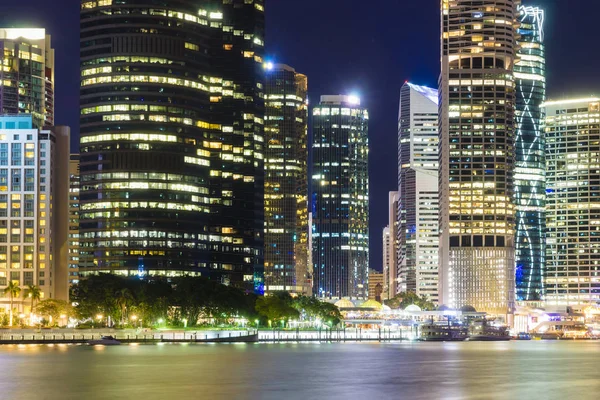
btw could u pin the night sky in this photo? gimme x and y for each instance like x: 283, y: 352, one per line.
x: 367, y: 47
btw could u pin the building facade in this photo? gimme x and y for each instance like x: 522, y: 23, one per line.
x: 172, y: 114
x: 27, y: 74
x: 530, y: 164
x: 477, y: 124
x: 417, y: 206
x: 286, y: 181
x: 390, y: 271
x: 376, y: 282
x: 385, y: 246
x: 572, y: 130
x: 33, y: 208
x: 340, y: 198
x: 73, y: 219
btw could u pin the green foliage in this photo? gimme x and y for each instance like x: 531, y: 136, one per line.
x: 54, y: 308
x: 405, y: 299
x: 12, y: 290
x: 34, y: 293
x: 150, y: 300
x: 277, y: 307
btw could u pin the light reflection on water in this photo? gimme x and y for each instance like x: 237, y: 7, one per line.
x: 502, y: 370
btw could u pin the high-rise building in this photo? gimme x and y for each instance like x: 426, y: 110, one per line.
x: 74, y: 219
x: 286, y: 180
x: 572, y: 130
x: 340, y: 197
x: 33, y: 208
x: 477, y: 107
x: 27, y: 74
x: 418, y: 205
x: 530, y: 165
x: 172, y: 113
x: 385, y: 246
x: 390, y: 251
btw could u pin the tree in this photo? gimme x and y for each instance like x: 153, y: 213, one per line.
x: 13, y: 291
x: 34, y: 293
x: 405, y: 299
x: 124, y: 299
x: 54, y: 309
x: 277, y: 307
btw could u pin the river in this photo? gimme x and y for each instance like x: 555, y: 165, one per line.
x: 502, y: 370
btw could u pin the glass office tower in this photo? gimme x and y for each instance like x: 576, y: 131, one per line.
x: 172, y: 113
x: 572, y: 130
x: 27, y: 74
x: 530, y: 162
x: 286, y: 181
x: 340, y: 198
x: 477, y: 123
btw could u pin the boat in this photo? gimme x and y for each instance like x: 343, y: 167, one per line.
x: 555, y: 330
x: 104, y: 341
x: 523, y: 336
x: 482, y: 331
x: 433, y: 332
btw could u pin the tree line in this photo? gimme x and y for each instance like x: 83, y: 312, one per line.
x: 189, y: 301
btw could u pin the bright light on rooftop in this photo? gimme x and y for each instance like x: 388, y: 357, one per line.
x: 354, y: 99
x: 27, y: 33
x: 268, y: 66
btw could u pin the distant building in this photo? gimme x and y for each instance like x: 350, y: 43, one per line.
x: 34, y: 198
x: 417, y: 215
x: 340, y: 197
x: 27, y: 74
x: 385, y: 245
x: 286, y: 181
x: 530, y: 165
x: 572, y: 131
x: 390, y: 250
x: 375, y: 285
x: 74, y: 219
x: 477, y: 131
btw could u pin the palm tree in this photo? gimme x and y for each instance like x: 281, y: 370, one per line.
x: 13, y: 291
x: 34, y: 293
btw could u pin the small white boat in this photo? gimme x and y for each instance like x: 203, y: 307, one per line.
x: 105, y: 341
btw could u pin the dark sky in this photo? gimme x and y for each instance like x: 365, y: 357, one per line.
x: 369, y: 47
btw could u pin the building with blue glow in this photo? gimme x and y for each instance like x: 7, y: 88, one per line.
x: 530, y: 162
x: 340, y: 198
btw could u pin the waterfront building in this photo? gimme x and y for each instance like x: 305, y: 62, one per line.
x: 572, y: 128
x: 27, y: 74
x: 172, y: 114
x: 417, y: 197
x: 530, y: 164
x: 286, y: 180
x: 376, y: 281
x: 477, y: 134
x: 33, y: 208
x: 340, y: 197
x: 73, y: 219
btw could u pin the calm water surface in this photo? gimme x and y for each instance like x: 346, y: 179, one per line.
x: 514, y: 370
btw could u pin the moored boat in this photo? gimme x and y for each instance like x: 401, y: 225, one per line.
x: 104, y: 341
x: 432, y: 332
x: 483, y: 331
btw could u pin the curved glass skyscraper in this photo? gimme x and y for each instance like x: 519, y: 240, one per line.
x: 530, y: 160
x: 172, y: 110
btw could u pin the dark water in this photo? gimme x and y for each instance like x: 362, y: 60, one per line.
x: 515, y: 370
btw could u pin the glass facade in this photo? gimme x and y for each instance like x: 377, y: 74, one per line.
x: 172, y: 114
x: 27, y: 74
x: 572, y: 130
x: 418, y: 204
x: 286, y: 185
x: 340, y: 198
x: 477, y: 123
x: 530, y: 164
